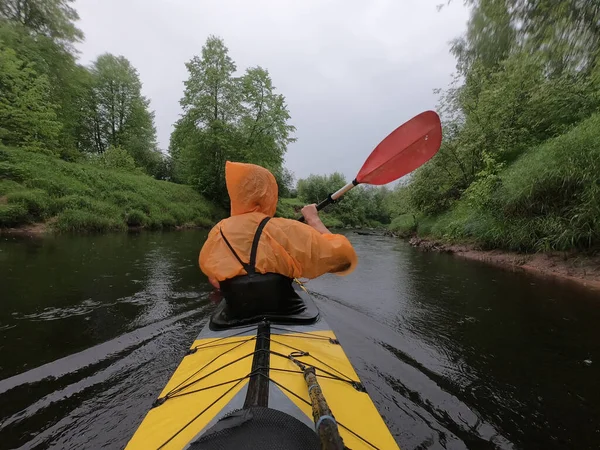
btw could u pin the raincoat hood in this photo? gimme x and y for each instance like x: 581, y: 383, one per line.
x: 251, y: 188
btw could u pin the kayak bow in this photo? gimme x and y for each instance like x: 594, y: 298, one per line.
x: 245, y: 384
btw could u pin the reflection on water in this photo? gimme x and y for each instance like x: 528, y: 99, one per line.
x: 455, y: 354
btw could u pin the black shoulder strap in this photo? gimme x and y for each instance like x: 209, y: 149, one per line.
x: 251, y: 266
x: 254, y: 250
x: 244, y: 265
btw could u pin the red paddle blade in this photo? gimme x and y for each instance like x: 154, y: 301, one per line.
x: 407, y: 147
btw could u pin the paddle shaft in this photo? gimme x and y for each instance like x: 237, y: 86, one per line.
x: 325, y: 424
x: 332, y: 198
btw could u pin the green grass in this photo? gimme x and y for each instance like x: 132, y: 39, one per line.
x: 548, y: 199
x: 76, y: 197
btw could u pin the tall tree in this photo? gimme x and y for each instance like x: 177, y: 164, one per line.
x: 54, y: 19
x: 264, y: 121
x: 227, y: 118
x: 42, y: 32
x: 211, y: 91
x: 26, y: 113
x: 489, y: 39
x: 565, y: 32
x: 117, y: 113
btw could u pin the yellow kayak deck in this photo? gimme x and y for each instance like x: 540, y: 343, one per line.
x: 257, y: 365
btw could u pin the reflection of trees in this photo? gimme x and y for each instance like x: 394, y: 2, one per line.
x: 156, y: 296
x: 67, y: 293
x: 516, y: 343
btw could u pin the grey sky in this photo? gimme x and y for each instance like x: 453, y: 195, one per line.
x: 351, y: 70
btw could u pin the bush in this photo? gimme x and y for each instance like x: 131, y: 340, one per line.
x: 54, y: 187
x: 8, y: 186
x: 161, y: 220
x: 136, y: 218
x: 72, y: 202
x: 11, y: 172
x: 13, y: 215
x: 37, y: 202
x: 116, y: 158
x: 84, y: 221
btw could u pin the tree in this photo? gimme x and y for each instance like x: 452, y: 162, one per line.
x: 227, y: 118
x: 566, y: 33
x: 316, y: 188
x: 264, y: 120
x: 67, y: 81
x: 54, y: 19
x: 26, y: 114
x: 285, y: 182
x: 117, y: 114
x: 211, y: 92
x: 116, y: 158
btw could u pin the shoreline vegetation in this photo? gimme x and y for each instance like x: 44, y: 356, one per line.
x: 40, y: 193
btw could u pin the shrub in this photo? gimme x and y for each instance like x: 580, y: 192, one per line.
x: 12, y: 172
x: 79, y: 221
x: 13, y: 215
x: 37, y: 202
x: 136, y: 218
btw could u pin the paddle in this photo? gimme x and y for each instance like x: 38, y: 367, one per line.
x: 406, y: 148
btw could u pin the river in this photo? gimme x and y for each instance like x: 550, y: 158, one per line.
x: 455, y: 354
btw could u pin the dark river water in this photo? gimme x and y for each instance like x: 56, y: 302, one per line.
x: 455, y: 354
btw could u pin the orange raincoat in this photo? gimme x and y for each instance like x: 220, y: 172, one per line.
x: 287, y: 247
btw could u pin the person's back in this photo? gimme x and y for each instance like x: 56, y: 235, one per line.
x: 286, y: 247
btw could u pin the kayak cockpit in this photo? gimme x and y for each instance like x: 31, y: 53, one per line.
x: 288, y: 305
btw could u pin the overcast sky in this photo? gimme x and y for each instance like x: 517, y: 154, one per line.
x: 351, y: 70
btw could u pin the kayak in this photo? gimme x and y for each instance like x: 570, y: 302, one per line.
x: 273, y: 381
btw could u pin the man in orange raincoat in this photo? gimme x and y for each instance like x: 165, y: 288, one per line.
x: 281, y: 246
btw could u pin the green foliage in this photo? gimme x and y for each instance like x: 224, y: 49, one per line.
x: 285, y: 182
x: 116, y: 158
x: 117, y: 114
x: 362, y: 206
x: 51, y: 102
x: 316, y: 188
x: 518, y: 167
x: 289, y: 208
x: 136, y: 218
x: 228, y: 118
x: 13, y: 215
x: 84, y: 197
x: 331, y: 221
x: 36, y: 202
x: 549, y: 199
x: 404, y: 225
x: 67, y: 81
x: 50, y: 18
x: 78, y: 221
x: 27, y: 116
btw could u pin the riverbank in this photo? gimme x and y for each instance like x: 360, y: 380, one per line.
x: 582, y: 269
x: 40, y: 193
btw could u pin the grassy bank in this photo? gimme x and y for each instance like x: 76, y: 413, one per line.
x: 73, y: 197
x: 548, y: 199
